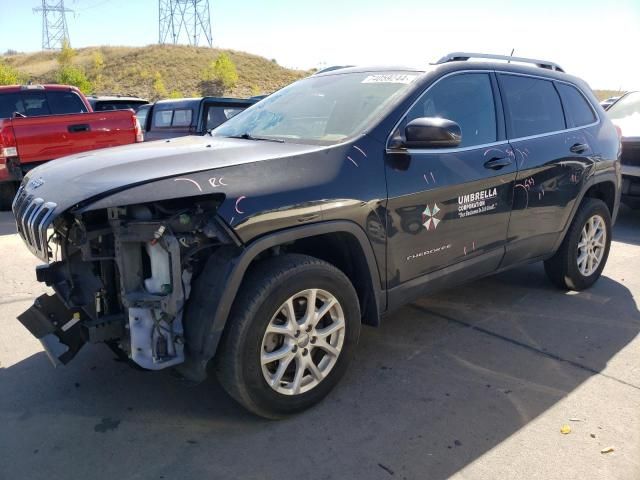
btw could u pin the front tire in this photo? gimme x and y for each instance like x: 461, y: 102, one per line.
x: 290, y: 336
x: 579, y: 261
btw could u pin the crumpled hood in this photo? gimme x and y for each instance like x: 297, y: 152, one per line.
x: 76, y: 178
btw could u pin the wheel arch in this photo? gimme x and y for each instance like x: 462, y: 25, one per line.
x: 222, y: 278
x: 605, y: 191
x: 602, y: 187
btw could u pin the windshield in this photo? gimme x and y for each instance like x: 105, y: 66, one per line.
x: 627, y: 106
x: 320, y: 110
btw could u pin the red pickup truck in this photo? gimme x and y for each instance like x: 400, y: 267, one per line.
x: 44, y: 122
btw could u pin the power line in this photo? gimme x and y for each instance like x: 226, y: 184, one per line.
x: 184, y: 21
x: 54, y: 24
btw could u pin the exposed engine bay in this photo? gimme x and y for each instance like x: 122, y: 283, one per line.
x: 122, y: 276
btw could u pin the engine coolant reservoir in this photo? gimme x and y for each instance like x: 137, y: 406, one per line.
x: 160, y: 281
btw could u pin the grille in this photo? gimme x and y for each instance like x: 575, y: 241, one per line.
x: 630, y: 154
x: 33, y: 218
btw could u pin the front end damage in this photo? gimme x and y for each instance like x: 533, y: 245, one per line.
x: 121, y: 276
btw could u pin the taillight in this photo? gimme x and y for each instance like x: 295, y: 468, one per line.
x: 138, y: 130
x: 8, y: 146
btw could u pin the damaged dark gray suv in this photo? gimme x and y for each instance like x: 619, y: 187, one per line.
x: 259, y: 250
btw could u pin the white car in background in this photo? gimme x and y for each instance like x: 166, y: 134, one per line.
x: 625, y: 114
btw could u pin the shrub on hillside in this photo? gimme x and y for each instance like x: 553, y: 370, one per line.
x: 219, y: 76
x: 70, y: 75
x: 159, y: 90
x: 9, y: 75
x: 97, y: 69
x: 66, y: 54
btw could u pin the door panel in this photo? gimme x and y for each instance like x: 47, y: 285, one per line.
x: 447, y: 206
x: 548, y: 183
x: 444, y: 208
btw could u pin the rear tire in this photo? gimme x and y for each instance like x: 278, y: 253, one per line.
x: 7, y: 193
x: 579, y: 261
x: 273, y: 316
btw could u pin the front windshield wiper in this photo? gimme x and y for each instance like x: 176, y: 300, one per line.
x: 248, y: 136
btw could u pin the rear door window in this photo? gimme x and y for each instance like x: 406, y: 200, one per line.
x: 533, y: 106
x: 577, y: 109
x: 65, y: 102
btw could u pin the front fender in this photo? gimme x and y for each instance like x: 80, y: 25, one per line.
x: 215, y: 290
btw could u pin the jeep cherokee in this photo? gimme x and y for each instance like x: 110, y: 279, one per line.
x: 259, y: 250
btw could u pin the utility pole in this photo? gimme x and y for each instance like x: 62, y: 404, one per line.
x: 54, y: 24
x: 184, y: 21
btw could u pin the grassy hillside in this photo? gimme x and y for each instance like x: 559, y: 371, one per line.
x: 133, y: 70
x: 604, y: 94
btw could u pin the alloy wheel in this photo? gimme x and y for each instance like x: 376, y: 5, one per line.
x: 591, y: 246
x: 302, y: 342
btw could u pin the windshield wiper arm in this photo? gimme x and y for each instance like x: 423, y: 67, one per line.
x: 248, y: 136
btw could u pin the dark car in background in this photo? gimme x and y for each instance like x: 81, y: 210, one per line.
x: 115, y: 102
x: 625, y: 114
x: 188, y: 116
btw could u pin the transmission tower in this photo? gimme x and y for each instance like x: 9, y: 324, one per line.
x: 54, y: 24
x: 181, y: 20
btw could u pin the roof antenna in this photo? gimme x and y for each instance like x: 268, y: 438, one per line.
x: 511, y: 55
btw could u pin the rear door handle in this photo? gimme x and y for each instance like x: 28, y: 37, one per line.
x: 497, y: 163
x: 82, y: 127
x: 579, y: 147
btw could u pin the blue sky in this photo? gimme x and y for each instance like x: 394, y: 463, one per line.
x: 592, y: 39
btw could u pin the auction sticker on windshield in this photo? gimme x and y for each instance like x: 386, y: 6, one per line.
x: 390, y: 78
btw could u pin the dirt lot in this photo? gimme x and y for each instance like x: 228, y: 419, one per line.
x: 473, y: 383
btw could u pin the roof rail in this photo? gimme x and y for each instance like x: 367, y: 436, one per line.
x: 463, y: 56
x: 332, y: 68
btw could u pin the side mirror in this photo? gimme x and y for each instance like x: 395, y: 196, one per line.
x: 431, y: 132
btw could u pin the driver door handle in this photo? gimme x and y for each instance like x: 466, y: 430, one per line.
x: 497, y: 163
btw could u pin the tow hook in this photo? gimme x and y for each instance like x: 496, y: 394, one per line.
x: 56, y: 326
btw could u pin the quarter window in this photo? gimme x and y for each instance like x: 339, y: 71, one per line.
x: 533, y: 105
x: 467, y: 99
x: 578, y: 111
